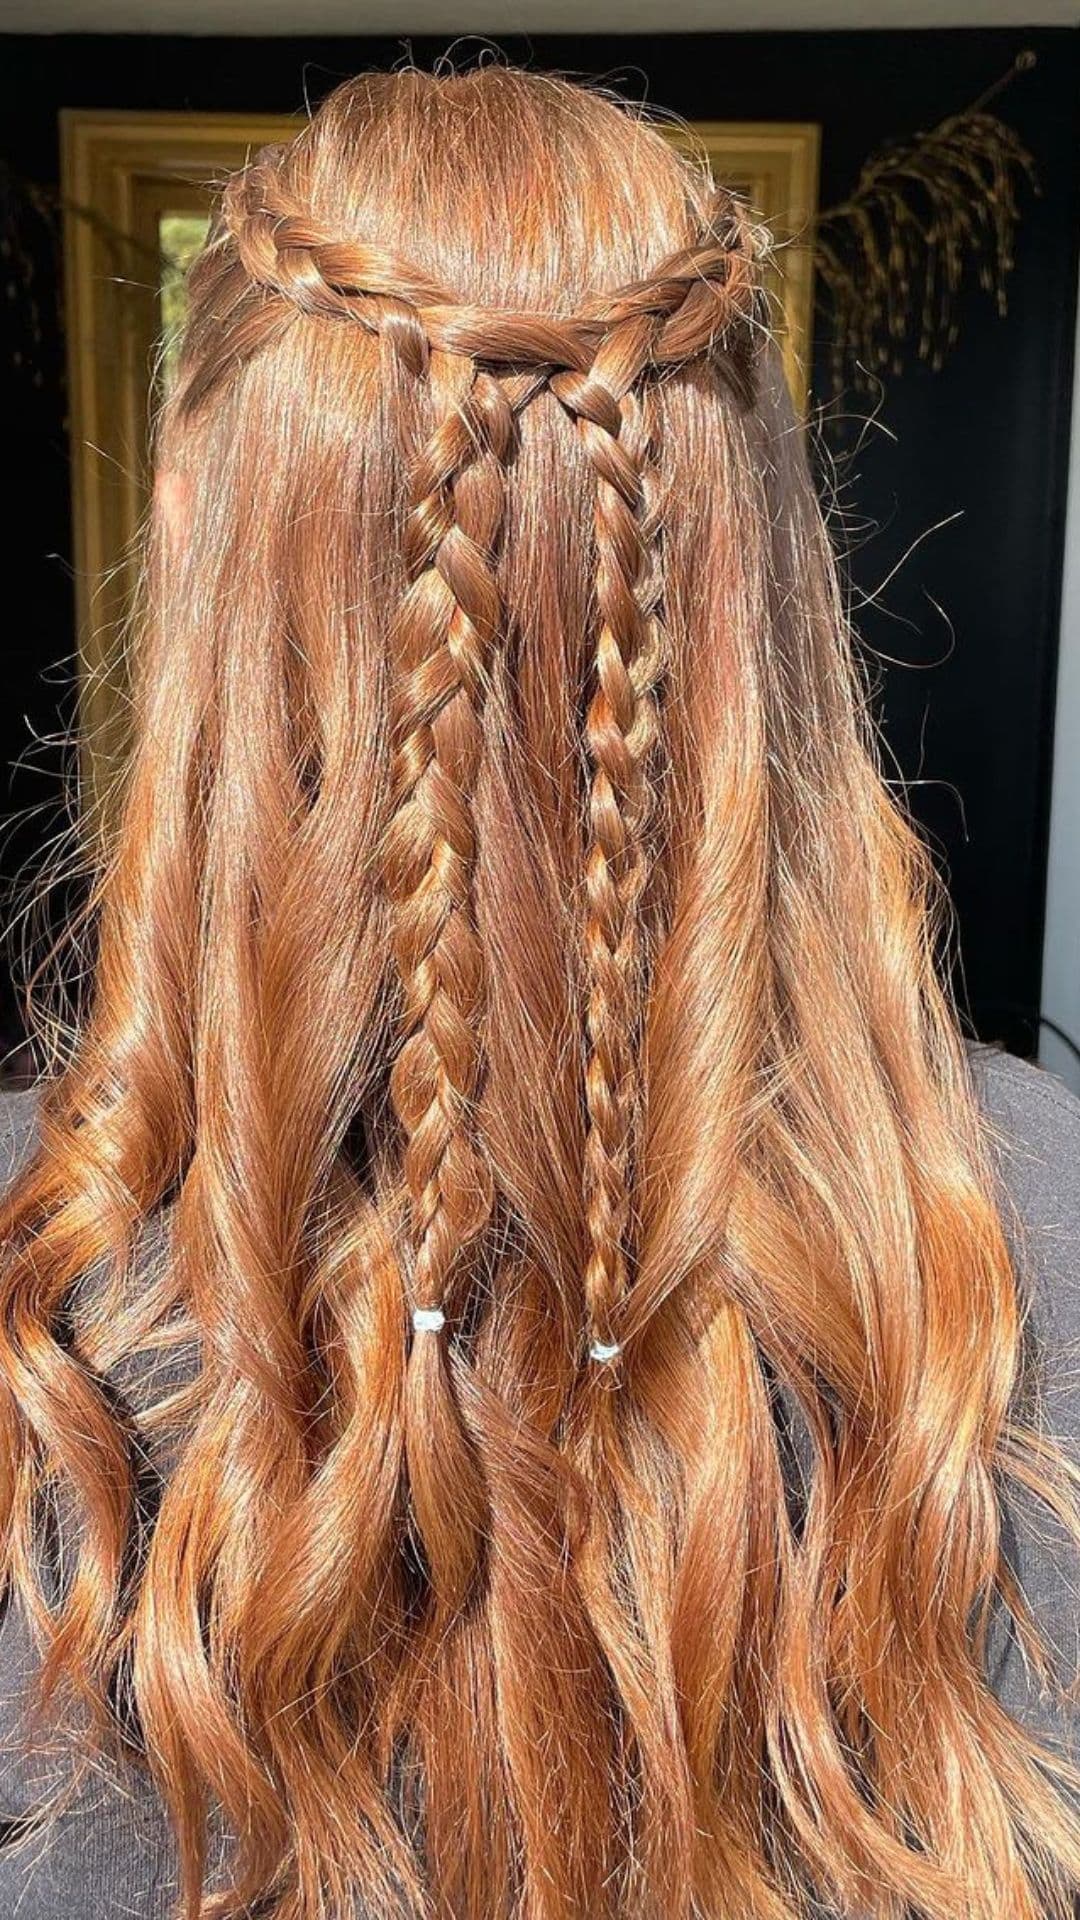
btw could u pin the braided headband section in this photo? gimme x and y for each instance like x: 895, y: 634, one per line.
x: 705, y: 296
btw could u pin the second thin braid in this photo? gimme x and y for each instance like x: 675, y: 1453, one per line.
x: 621, y: 728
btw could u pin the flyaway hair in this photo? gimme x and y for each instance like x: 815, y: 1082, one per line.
x: 515, y: 1095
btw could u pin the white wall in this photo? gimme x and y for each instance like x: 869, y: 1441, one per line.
x: 1061, y: 961
x: 516, y: 16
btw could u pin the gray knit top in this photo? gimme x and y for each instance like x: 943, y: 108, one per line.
x: 106, y: 1855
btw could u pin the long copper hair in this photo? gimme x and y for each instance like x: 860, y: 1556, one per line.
x: 515, y: 1099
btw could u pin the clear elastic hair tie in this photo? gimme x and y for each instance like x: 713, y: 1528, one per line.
x: 604, y: 1350
x: 428, y: 1319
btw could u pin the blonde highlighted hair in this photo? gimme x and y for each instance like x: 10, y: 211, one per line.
x: 515, y: 995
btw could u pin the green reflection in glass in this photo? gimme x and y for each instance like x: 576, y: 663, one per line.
x: 180, y: 235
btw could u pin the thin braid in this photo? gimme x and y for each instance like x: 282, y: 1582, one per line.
x: 612, y: 416
x: 447, y: 626
x: 612, y: 407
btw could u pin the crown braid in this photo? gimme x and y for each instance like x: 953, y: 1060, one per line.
x: 283, y: 263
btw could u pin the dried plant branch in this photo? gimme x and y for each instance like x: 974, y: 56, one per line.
x: 924, y: 217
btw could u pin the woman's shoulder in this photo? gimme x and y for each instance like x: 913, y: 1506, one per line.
x: 18, y: 1126
x: 1034, y: 1125
x: 1037, y: 1119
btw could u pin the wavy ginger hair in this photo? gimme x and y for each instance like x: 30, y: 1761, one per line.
x: 508, y: 924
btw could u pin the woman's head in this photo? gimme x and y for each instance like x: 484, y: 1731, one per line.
x: 515, y: 998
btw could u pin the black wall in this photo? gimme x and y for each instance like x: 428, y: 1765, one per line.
x: 965, y: 632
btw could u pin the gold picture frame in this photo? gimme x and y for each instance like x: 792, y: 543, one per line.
x: 123, y: 175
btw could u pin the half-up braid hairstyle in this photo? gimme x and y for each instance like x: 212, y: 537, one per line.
x: 516, y: 1118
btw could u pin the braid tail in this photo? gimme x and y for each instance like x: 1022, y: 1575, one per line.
x: 449, y: 622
